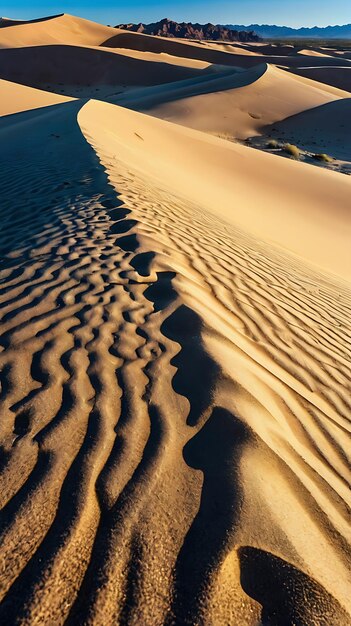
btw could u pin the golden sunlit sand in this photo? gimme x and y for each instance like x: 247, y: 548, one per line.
x: 175, y: 333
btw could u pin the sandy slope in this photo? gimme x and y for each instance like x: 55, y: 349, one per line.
x: 325, y: 128
x: 207, y: 166
x: 65, y: 54
x: 282, y: 55
x: 63, y: 67
x: 240, y: 104
x: 339, y: 77
x: 15, y: 98
x: 228, y: 47
x: 60, y: 29
x: 312, y: 53
x: 212, y: 261
x: 174, y: 343
x: 74, y: 31
x: 174, y: 389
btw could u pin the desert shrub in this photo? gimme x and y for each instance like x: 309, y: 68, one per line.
x: 273, y: 143
x: 226, y: 136
x: 292, y: 150
x: 323, y: 157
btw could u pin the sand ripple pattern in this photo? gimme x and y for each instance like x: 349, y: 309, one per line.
x: 167, y: 455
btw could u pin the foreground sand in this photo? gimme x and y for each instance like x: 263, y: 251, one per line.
x: 175, y: 371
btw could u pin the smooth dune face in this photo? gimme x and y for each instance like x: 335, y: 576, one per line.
x: 16, y: 98
x: 174, y: 342
x: 240, y: 104
x: 61, y: 29
x: 312, y: 53
x: 66, y: 55
x: 64, y: 67
x: 203, y: 165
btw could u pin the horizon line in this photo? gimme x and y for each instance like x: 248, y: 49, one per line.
x: 178, y: 22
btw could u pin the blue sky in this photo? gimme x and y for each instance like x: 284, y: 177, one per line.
x: 283, y: 12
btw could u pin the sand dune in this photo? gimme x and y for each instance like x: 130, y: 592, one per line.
x: 339, y: 77
x: 284, y: 55
x: 228, y: 47
x: 63, y: 67
x: 7, y: 21
x: 272, y: 49
x: 69, y: 30
x: 58, y: 29
x: 240, y: 104
x: 326, y: 127
x: 15, y: 98
x: 174, y: 340
x: 226, y: 166
x: 189, y: 282
x: 212, y: 348
x: 312, y: 53
x: 63, y: 54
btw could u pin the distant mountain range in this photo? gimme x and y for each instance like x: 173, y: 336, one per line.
x: 285, y: 32
x: 187, y: 30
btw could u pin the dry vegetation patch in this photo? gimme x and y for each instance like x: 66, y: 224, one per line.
x: 293, y: 151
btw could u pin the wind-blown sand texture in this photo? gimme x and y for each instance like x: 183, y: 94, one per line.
x: 174, y: 349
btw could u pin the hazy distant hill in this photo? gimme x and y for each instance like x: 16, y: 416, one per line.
x: 272, y: 31
x: 187, y: 30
